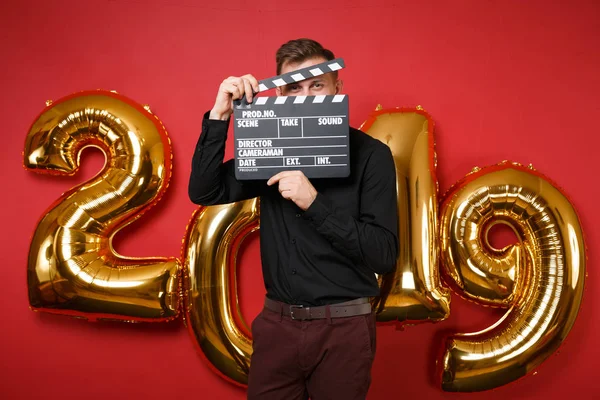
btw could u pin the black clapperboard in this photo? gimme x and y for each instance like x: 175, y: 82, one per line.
x: 285, y: 133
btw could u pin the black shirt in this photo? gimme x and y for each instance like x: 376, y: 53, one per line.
x: 328, y: 253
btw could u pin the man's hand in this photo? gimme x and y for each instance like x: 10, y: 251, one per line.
x: 295, y: 186
x: 232, y: 88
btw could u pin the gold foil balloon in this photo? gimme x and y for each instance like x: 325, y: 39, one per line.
x: 212, y: 312
x: 412, y: 293
x: 541, y: 278
x: 72, y: 268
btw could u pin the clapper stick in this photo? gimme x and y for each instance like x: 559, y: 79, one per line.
x: 294, y: 76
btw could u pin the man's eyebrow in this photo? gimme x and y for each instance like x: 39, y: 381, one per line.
x: 311, y: 79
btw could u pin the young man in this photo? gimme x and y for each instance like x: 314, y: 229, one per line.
x: 322, y: 241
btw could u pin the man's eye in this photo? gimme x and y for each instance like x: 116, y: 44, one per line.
x: 317, y: 85
x: 294, y: 87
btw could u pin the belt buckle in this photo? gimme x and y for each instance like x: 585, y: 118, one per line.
x: 293, y: 307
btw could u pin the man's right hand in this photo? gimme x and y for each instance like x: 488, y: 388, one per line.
x: 232, y: 88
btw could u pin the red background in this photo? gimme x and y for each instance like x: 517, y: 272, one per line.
x: 503, y: 80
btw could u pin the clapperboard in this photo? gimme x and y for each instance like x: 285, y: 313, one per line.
x: 306, y: 133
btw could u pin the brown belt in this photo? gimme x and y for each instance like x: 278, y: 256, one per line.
x: 350, y: 308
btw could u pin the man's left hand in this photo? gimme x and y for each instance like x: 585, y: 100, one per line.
x: 295, y: 186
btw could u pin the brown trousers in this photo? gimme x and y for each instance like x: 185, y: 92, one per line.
x: 320, y: 359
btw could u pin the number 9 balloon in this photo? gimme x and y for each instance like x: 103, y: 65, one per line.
x: 540, y: 279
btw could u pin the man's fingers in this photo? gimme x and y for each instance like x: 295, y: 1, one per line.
x: 284, y: 174
x: 233, y: 90
x: 248, y: 90
x: 253, y: 82
x: 246, y: 85
x: 274, y: 179
x: 277, y: 177
x: 285, y: 186
x: 239, y: 84
x: 286, y: 191
x: 236, y: 80
x: 241, y: 87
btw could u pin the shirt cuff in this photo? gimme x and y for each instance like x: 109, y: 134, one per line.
x: 215, y: 128
x: 319, y: 210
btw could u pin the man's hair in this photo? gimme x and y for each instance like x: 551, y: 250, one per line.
x: 298, y: 50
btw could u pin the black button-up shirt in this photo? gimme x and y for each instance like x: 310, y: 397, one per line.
x: 328, y: 253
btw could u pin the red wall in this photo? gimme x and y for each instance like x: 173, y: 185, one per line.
x: 503, y: 80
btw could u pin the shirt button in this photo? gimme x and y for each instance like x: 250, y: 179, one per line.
x: 298, y: 215
x: 293, y: 272
x: 293, y: 241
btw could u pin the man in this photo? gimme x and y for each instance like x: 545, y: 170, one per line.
x: 322, y: 241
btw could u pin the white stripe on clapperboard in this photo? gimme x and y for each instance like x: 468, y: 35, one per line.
x: 316, y: 72
x: 261, y: 101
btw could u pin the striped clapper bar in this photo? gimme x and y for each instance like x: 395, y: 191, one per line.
x: 306, y: 133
